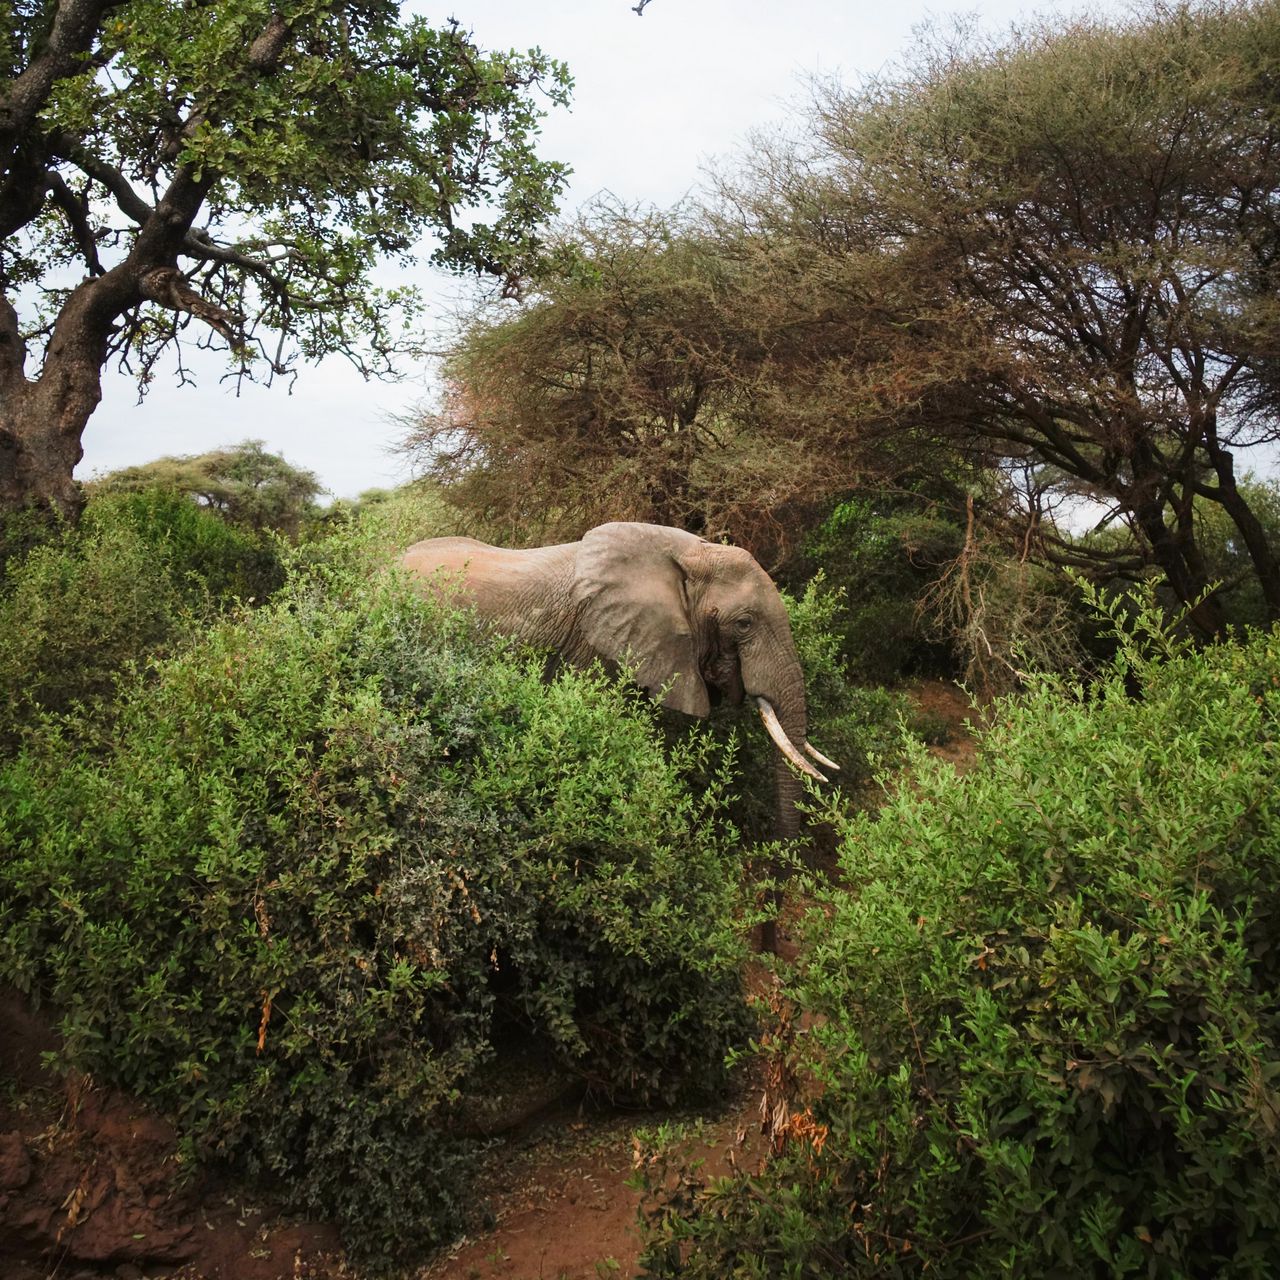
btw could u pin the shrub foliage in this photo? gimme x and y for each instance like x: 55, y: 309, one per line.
x: 1042, y: 1033
x: 884, y: 555
x: 332, y: 854
x: 82, y: 603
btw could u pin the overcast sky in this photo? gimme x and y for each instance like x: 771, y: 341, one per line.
x: 657, y: 98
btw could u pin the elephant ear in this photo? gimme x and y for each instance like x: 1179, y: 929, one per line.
x: 629, y: 588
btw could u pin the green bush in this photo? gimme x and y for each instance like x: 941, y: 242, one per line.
x: 1042, y: 1031
x: 339, y: 849
x: 22, y: 531
x: 882, y: 556
x: 78, y: 608
x: 405, y: 515
x: 204, y: 554
x: 73, y: 613
x: 858, y: 725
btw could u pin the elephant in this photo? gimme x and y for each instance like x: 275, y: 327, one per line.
x: 696, y: 622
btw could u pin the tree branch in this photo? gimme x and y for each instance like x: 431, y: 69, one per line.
x: 161, y: 237
x: 75, y: 24
x: 130, y: 203
x: 22, y: 189
x: 167, y: 287
x: 200, y: 245
x: 78, y: 221
x: 265, y: 51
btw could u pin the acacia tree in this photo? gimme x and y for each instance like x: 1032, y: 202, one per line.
x: 230, y: 173
x: 1062, y: 252
x: 633, y: 383
x: 245, y: 484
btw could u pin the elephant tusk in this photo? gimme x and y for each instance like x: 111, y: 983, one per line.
x: 820, y: 758
x: 782, y: 742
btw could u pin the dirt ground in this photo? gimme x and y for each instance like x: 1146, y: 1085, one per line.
x: 562, y: 1206
x: 951, y: 710
x: 91, y: 1184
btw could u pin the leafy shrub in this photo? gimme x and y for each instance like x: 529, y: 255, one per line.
x: 76, y: 609
x: 23, y: 530
x: 407, y: 514
x: 336, y: 851
x: 882, y: 558
x: 203, y: 553
x: 73, y: 613
x: 1042, y: 1033
x: 857, y: 725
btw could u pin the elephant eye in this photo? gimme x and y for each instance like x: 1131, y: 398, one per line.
x: 743, y: 623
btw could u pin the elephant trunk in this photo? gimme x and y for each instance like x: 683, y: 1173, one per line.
x: 786, y: 723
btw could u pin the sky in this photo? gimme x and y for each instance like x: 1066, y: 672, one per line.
x: 658, y: 99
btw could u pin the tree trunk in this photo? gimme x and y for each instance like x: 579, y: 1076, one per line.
x: 1252, y: 533
x: 40, y: 429
x: 1173, y: 549
x: 43, y: 419
x: 1204, y: 613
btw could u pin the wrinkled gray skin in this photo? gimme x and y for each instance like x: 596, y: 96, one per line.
x: 701, y: 621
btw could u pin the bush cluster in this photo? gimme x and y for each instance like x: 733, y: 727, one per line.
x: 78, y: 605
x: 882, y: 557
x: 1042, y: 1031
x: 331, y: 854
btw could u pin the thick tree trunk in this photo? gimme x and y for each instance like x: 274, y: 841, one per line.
x: 42, y: 419
x: 1254, y: 536
x: 40, y: 431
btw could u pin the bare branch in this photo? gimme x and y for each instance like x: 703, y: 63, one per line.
x: 130, y: 203
x: 167, y: 287
x: 78, y: 221
x: 200, y: 245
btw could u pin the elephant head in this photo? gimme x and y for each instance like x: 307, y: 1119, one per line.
x: 700, y: 623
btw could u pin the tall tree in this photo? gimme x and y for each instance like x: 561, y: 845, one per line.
x: 1064, y: 252
x: 634, y: 383
x: 235, y: 171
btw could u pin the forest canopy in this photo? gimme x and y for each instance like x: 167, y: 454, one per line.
x: 1051, y: 262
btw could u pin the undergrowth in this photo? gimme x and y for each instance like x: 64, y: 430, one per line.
x: 328, y: 854
x: 1041, y: 1030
